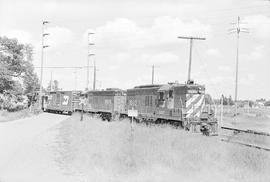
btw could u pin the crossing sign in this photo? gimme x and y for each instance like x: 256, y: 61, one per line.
x: 82, y: 101
x: 132, y: 113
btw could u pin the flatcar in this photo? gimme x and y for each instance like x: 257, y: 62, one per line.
x: 61, y: 101
x: 109, y: 103
x: 178, y: 104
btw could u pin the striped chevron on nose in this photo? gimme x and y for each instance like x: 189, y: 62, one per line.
x: 191, y: 98
x: 194, y: 104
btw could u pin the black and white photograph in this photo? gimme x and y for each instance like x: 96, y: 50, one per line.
x: 134, y: 91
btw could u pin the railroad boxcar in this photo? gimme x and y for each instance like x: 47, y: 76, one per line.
x: 179, y: 104
x: 62, y: 101
x: 109, y: 103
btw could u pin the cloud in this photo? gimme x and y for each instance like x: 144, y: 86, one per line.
x: 21, y: 35
x: 161, y: 58
x: 224, y: 68
x: 59, y: 36
x: 256, y: 54
x: 125, y: 33
x: 259, y: 25
x: 247, y: 79
x: 213, y: 52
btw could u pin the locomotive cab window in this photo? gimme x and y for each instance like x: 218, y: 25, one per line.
x: 161, y: 96
x: 170, y: 93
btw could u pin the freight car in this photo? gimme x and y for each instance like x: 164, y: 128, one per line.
x: 109, y: 103
x: 61, y: 101
x: 178, y: 104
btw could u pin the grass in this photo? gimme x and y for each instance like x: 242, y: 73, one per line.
x: 10, y: 116
x: 102, y: 151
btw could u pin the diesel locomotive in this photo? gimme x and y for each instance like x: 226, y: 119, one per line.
x: 181, y: 105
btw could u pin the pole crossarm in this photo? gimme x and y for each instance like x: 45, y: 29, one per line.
x: 190, y: 51
x: 190, y: 37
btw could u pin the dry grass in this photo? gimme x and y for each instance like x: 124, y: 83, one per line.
x: 102, y: 151
x: 10, y: 116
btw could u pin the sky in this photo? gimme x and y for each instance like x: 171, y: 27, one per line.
x: 132, y: 35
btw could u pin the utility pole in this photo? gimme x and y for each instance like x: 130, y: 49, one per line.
x: 153, y: 72
x: 51, y: 82
x: 41, y: 71
x: 89, y: 44
x: 237, y: 30
x: 95, y: 72
x: 75, y: 75
x: 190, y: 53
x: 221, y: 109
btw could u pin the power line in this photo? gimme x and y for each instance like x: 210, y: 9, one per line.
x: 65, y: 67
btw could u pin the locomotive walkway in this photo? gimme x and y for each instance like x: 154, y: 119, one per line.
x: 17, y: 136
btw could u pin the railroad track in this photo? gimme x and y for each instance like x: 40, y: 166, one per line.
x: 234, y: 137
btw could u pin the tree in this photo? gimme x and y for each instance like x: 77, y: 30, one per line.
x: 16, y: 68
x: 208, y: 99
x: 53, y: 86
x: 267, y: 103
x: 56, y: 85
x: 30, y: 78
x: 12, y: 57
x: 227, y: 100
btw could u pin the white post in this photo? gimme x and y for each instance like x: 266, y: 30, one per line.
x: 248, y: 107
x: 215, y: 110
x: 132, y: 123
x: 132, y: 120
x: 221, y: 110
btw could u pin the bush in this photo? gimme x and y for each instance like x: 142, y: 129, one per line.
x: 12, y: 103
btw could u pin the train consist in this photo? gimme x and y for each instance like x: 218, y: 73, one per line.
x: 178, y: 104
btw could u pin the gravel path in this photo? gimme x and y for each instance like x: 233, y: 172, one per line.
x: 24, y: 150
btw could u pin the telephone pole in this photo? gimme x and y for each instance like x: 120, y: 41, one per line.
x: 153, y: 72
x: 41, y: 65
x: 237, y: 30
x: 89, y: 44
x: 95, y: 71
x: 190, y: 52
x: 75, y: 75
x: 51, y: 84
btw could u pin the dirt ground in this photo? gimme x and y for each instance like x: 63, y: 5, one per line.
x: 10, y: 116
x: 92, y: 150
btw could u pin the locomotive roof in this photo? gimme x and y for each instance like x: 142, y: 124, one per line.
x: 78, y: 91
x: 107, y: 90
x: 148, y: 86
x: 163, y: 87
x: 110, y: 91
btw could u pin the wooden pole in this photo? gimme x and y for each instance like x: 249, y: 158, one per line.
x: 132, y: 123
x: 221, y: 110
x: 82, y: 112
